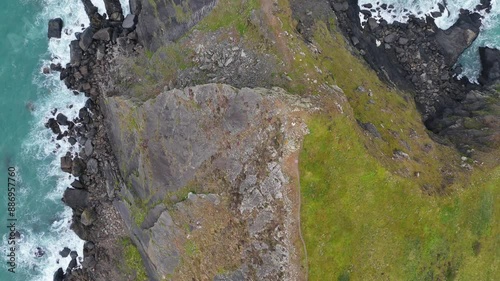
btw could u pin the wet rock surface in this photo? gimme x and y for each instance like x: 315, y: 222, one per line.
x: 419, y: 57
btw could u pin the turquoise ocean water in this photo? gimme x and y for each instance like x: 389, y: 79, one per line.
x: 26, y: 98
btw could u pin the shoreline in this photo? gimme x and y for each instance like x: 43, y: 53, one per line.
x: 420, y: 58
x: 91, y: 197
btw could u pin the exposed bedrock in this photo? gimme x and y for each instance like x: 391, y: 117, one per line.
x: 419, y: 57
x: 161, y: 21
x: 229, y: 148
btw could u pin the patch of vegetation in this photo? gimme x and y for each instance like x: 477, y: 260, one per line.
x: 361, y: 219
x: 133, y: 265
x: 190, y: 248
x: 229, y: 13
x: 139, y: 210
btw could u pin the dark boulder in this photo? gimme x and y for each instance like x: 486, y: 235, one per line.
x: 86, y: 38
x: 72, y: 264
x: 75, y: 53
x: 55, y: 67
x: 65, y: 252
x: 453, y: 41
x: 54, y: 126
x: 59, y: 275
x: 114, y: 10
x: 96, y: 19
x: 78, y: 167
x: 66, y: 163
x: 372, y: 23
x: 92, y: 166
x: 62, y: 119
x: 129, y: 22
x: 76, y: 199
x: 77, y: 184
x: 55, y: 28
x: 103, y: 34
x: 154, y: 28
x: 490, y: 62
x: 73, y: 254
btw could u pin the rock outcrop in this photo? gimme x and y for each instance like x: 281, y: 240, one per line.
x: 208, y: 164
x: 490, y: 61
x: 419, y: 57
x: 160, y: 22
x: 55, y: 27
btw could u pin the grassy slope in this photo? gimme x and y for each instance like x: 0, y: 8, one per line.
x: 364, y: 214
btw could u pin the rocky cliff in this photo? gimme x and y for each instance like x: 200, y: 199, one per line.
x: 160, y: 22
x: 188, y: 148
x: 211, y: 181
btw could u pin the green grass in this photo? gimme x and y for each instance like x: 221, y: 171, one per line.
x: 364, y: 215
x: 133, y: 261
x: 360, y: 222
x: 229, y: 13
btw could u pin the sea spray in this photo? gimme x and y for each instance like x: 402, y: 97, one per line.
x: 399, y: 10
x: 44, y: 220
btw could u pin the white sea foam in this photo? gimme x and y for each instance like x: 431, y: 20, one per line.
x: 42, y: 145
x: 401, y: 9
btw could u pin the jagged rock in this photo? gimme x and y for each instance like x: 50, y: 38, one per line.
x: 75, y: 54
x: 65, y: 252
x: 390, y: 38
x: 77, y: 184
x: 62, y: 119
x: 72, y: 264
x: 66, y: 163
x: 58, y: 275
x: 92, y: 166
x: 129, y: 21
x: 179, y: 153
x: 88, y: 217
x: 456, y: 39
x: 372, y: 23
x: 96, y: 19
x: 88, y: 246
x: 73, y: 254
x: 114, y: 10
x: 76, y: 199
x: 54, y: 126
x: 86, y: 39
x: 55, y: 28
x: 55, y: 67
x: 371, y: 129
x: 103, y: 34
x: 89, y: 148
x: 490, y: 62
x: 78, y: 167
x: 154, y: 29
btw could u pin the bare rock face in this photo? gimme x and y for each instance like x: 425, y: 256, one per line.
x: 459, y: 37
x: 210, y: 169
x: 490, y: 61
x: 165, y: 21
